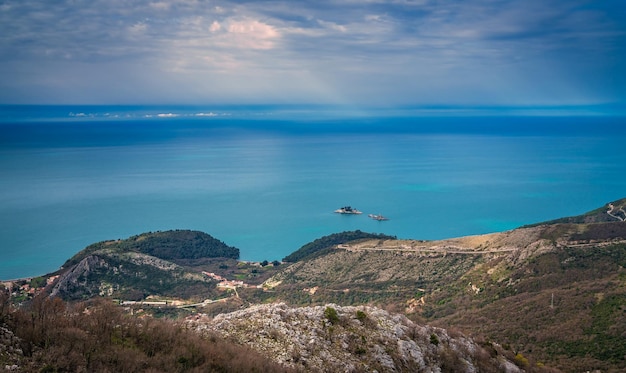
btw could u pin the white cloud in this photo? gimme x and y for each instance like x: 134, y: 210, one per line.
x: 161, y: 5
x: 251, y: 33
x: 215, y: 27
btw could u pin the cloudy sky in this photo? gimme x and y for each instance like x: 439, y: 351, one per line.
x: 347, y: 52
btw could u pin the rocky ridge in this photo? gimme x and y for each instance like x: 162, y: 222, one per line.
x: 352, y: 339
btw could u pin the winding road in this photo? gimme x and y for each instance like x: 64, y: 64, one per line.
x: 611, y: 211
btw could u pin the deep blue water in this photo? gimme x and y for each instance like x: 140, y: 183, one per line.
x: 267, y: 181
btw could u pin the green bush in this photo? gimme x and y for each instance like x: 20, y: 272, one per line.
x: 434, y: 339
x: 361, y: 316
x: 331, y: 315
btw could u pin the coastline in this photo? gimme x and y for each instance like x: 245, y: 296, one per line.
x: 268, y: 193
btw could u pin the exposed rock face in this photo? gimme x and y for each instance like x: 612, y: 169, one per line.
x: 77, y: 276
x: 126, y: 274
x: 10, y: 352
x: 350, y: 339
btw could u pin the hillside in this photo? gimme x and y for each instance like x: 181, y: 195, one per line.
x: 169, y: 245
x: 551, y: 294
x: 331, y: 338
x: 611, y: 212
x: 556, y: 291
x: 49, y: 335
x: 129, y: 276
x: 141, y: 266
x: 321, y: 244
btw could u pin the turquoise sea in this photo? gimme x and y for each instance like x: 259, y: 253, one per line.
x: 267, y: 179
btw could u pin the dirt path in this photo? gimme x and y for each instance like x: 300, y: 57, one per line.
x: 611, y: 211
x: 437, y: 250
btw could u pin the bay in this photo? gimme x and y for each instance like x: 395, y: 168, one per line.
x: 268, y: 185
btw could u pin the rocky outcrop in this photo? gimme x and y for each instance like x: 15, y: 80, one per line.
x: 128, y: 275
x: 10, y: 351
x: 76, y: 277
x: 350, y: 339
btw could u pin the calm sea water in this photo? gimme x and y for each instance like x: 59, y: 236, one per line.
x: 268, y: 183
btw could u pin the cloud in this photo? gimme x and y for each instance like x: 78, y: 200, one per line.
x: 332, y: 26
x: 423, y: 51
x: 251, y: 33
x: 215, y: 26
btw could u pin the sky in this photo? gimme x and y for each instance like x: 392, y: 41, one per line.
x: 340, y: 52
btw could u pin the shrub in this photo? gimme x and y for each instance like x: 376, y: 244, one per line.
x: 434, y: 339
x: 520, y: 360
x: 361, y: 316
x: 331, y: 315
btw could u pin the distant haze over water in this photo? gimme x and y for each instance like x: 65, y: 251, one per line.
x: 267, y: 180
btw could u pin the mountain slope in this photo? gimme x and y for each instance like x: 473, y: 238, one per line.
x: 331, y: 338
x: 319, y: 245
x: 611, y: 212
x: 384, y: 271
x: 140, y: 266
x: 130, y: 276
x: 566, y: 306
x: 49, y: 335
x: 554, y: 290
x: 168, y: 245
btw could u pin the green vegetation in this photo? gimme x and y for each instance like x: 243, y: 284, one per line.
x: 38, y: 282
x: 563, y: 304
x: 603, y: 337
x: 181, y: 244
x: 382, y: 278
x: 168, y: 245
x: 565, y: 307
x: 361, y: 316
x: 334, y: 239
x: 331, y: 315
x: 111, y: 275
x: 434, y: 339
